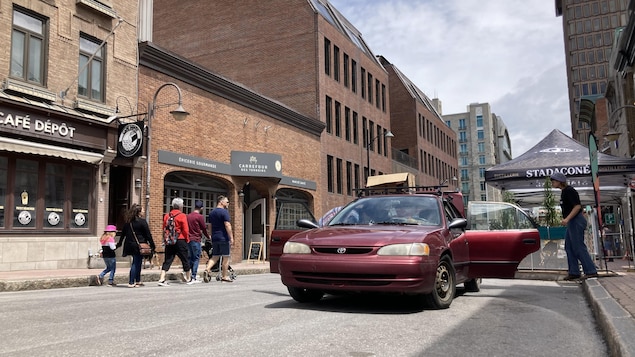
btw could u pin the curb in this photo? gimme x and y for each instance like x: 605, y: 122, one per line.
x: 616, y: 324
x: 88, y: 280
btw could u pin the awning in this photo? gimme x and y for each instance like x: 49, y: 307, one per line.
x: 28, y: 147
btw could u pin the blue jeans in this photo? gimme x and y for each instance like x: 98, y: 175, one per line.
x: 111, y: 266
x: 135, y: 269
x: 576, y: 249
x: 195, y: 256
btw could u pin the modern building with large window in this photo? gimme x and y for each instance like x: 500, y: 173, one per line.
x: 64, y: 66
x: 590, y: 28
x: 483, y: 141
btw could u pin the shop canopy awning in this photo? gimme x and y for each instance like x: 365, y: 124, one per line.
x: 525, y: 175
x: 28, y: 147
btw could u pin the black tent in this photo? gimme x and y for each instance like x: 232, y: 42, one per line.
x: 525, y: 175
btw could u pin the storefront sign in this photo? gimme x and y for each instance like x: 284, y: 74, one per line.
x: 49, y: 127
x: 130, y: 139
x: 193, y: 162
x: 256, y: 164
x: 292, y: 181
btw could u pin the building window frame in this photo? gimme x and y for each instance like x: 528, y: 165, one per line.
x: 29, y: 30
x: 91, y: 83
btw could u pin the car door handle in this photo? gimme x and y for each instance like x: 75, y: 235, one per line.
x: 529, y: 241
x: 275, y: 239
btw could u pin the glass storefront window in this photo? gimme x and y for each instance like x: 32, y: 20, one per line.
x: 54, y: 196
x: 80, y: 197
x: 25, y: 193
x: 3, y: 187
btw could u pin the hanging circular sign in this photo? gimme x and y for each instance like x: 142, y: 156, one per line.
x: 130, y: 140
x: 24, y: 217
x: 80, y: 219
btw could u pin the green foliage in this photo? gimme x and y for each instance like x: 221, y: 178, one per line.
x: 549, y: 202
x: 509, y: 197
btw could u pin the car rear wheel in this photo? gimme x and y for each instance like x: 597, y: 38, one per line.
x: 304, y: 295
x: 473, y: 286
x: 444, y: 286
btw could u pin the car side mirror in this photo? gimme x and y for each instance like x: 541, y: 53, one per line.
x: 306, y: 223
x: 458, y: 223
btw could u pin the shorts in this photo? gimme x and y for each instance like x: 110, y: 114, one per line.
x: 220, y: 248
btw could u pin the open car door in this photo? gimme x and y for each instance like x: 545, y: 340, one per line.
x: 500, y: 235
x: 287, y: 215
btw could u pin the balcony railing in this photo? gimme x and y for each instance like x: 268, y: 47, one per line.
x: 404, y: 158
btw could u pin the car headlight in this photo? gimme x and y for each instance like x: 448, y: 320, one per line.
x: 296, y: 248
x: 405, y: 249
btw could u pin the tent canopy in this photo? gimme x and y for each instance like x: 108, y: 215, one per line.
x: 525, y: 175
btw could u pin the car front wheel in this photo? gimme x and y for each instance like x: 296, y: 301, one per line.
x: 304, y: 295
x: 444, y: 286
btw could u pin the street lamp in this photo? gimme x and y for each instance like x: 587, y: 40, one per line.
x: 387, y: 134
x: 179, y: 114
x: 612, y: 134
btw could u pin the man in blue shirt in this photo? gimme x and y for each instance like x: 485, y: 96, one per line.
x: 222, y: 240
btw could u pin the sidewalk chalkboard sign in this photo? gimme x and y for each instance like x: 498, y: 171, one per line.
x: 255, y: 251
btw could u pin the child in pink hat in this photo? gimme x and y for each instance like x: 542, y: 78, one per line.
x: 108, y: 247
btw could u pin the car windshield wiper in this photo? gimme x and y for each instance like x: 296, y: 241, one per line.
x: 342, y: 224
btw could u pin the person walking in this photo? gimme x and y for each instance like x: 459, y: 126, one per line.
x: 180, y: 248
x: 198, y: 229
x: 108, y: 247
x: 134, y: 232
x: 574, y: 244
x: 222, y: 240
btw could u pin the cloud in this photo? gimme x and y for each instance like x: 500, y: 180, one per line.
x: 507, y: 53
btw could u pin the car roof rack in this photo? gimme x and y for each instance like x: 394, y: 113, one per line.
x: 399, y: 190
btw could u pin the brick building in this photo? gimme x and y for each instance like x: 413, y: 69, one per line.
x: 63, y: 70
x: 303, y: 54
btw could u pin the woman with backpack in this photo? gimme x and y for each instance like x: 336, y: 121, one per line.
x: 135, y: 231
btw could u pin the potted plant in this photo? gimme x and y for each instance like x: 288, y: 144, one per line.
x: 552, y: 219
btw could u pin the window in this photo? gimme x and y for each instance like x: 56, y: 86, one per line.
x: 338, y: 119
x: 48, y: 195
x: 482, y: 183
x: 480, y: 134
x: 462, y: 124
x: 377, y: 94
x: 336, y: 63
x: 353, y: 76
x: 338, y: 171
x: 481, y: 159
x: 479, y: 121
x: 363, y: 83
x: 463, y: 148
x: 356, y: 175
x: 463, y: 161
x: 90, y: 83
x: 28, y: 47
x: 481, y: 147
x: 347, y: 123
x: 481, y: 172
x: 462, y: 136
x: 346, y: 70
x: 383, y: 97
x: 365, y: 131
x: 327, y: 56
x: 329, y: 114
x: 370, y: 88
x: 464, y: 175
x: 349, y: 174
x: 355, y: 129
x: 329, y: 173
x: 381, y: 139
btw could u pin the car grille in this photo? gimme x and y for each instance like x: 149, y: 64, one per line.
x: 344, y: 279
x: 348, y: 250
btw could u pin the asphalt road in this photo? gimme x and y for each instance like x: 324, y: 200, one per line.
x: 254, y: 316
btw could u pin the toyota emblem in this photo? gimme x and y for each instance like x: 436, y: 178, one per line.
x: 341, y: 250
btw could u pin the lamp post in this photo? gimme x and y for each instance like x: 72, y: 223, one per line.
x: 370, y: 142
x: 612, y: 134
x: 179, y: 114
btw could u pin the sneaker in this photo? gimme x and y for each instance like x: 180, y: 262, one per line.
x: 193, y: 281
x: 140, y: 284
x: 591, y: 276
x: 100, y: 280
x: 183, y: 277
x: 111, y: 284
x: 132, y: 285
x: 571, y: 277
x: 163, y: 283
x: 207, y: 276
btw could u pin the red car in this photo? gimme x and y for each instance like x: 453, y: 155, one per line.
x: 415, y: 244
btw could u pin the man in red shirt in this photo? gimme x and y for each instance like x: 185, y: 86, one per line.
x: 180, y: 248
x: 198, y: 229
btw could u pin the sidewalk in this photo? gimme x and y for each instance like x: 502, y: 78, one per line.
x: 66, y: 278
x: 611, y: 296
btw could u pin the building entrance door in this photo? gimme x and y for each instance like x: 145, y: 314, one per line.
x: 255, y: 220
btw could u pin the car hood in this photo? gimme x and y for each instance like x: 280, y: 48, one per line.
x: 364, y: 235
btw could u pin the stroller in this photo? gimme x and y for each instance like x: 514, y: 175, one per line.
x: 207, y: 248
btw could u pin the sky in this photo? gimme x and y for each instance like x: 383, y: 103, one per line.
x: 508, y: 53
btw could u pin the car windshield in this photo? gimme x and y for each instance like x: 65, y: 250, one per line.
x: 391, y: 210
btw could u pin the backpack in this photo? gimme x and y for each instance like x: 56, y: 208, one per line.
x: 170, y: 234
